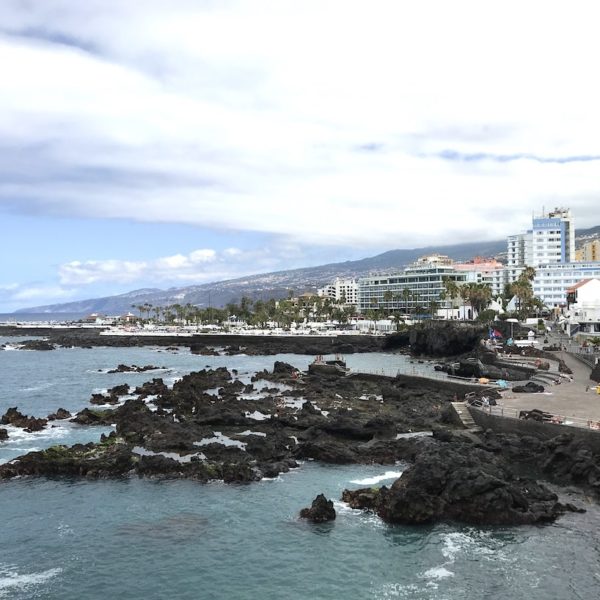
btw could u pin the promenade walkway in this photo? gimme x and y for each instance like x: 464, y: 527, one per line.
x: 577, y: 398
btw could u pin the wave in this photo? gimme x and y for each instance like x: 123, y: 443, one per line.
x: 437, y: 573
x: 377, y: 478
x: 37, y: 388
x: 11, y: 581
x: 17, y: 434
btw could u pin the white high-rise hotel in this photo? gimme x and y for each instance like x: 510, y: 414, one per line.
x: 551, y: 240
x: 549, y: 247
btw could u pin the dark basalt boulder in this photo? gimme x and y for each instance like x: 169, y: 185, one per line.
x: 119, y: 390
x: 397, y: 340
x: 13, y: 417
x: 100, y: 399
x: 530, y: 387
x: 89, y: 460
x: 196, y: 383
x: 60, y: 414
x: 283, y: 368
x: 326, y: 450
x: 151, y: 388
x: 94, y: 417
x: 203, y: 350
x: 3, y: 434
x: 444, y: 338
x: 41, y: 345
x: 134, y: 369
x: 458, y: 482
x: 320, y: 511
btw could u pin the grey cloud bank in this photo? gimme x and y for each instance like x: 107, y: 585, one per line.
x: 318, y: 123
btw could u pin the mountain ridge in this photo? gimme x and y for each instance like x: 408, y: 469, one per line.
x: 277, y: 284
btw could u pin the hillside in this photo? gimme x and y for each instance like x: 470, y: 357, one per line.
x: 277, y: 284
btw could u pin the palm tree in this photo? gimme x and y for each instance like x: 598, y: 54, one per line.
x: 388, y: 296
x: 480, y: 295
x: 157, y: 310
x: 433, y: 306
x: 452, y: 289
x: 406, y: 296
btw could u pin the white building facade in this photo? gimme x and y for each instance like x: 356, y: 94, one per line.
x: 341, y: 290
x: 584, y: 308
x: 552, y: 281
x: 551, y: 240
x: 416, y: 287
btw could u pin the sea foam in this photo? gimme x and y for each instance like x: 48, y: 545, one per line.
x: 377, y: 478
x: 11, y: 581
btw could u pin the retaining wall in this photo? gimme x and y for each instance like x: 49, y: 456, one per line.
x: 544, y: 431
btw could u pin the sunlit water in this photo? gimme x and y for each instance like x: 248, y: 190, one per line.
x: 177, y: 539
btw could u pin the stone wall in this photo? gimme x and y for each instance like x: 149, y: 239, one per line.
x: 545, y: 431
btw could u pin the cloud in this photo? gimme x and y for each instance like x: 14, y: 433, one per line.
x: 321, y: 122
x: 196, y: 267
x: 504, y: 158
x: 15, y: 293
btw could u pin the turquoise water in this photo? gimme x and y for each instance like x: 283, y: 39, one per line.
x: 177, y: 539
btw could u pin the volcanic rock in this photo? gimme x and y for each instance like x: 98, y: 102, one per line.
x: 13, y: 417
x: 36, y: 345
x: 530, y: 387
x: 134, y: 369
x: 60, y: 414
x: 321, y: 510
x: 460, y: 482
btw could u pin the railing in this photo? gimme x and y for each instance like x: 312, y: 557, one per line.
x: 555, y: 419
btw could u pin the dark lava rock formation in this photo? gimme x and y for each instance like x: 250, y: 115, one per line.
x: 460, y: 479
x: 134, y: 369
x: 438, y: 338
x: 236, y: 344
x: 3, y: 434
x: 41, y: 345
x: 530, y: 387
x: 60, y: 414
x: 206, y: 428
x: 320, y: 511
x: 13, y: 417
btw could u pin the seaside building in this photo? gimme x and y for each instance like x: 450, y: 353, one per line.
x: 589, y: 252
x: 487, y: 271
x: 584, y: 309
x: 550, y: 240
x: 434, y: 259
x: 552, y: 282
x: 549, y: 247
x: 416, y: 287
x: 341, y: 290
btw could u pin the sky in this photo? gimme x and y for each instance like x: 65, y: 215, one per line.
x: 155, y: 144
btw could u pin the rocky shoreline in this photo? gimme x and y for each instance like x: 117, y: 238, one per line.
x: 212, y: 426
x: 201, y: 343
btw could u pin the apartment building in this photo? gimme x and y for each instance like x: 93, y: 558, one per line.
x: 345, y: 290
x: 417, y: 286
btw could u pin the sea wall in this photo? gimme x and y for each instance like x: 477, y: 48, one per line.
x: 460, y: 389
x: 545, y: 431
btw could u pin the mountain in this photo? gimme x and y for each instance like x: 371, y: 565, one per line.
x: 277, y: 284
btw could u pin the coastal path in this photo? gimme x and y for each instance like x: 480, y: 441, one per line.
x: 575, y: 400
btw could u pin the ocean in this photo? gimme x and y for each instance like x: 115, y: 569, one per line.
x: 145, y: 539
x: 37, y: 317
